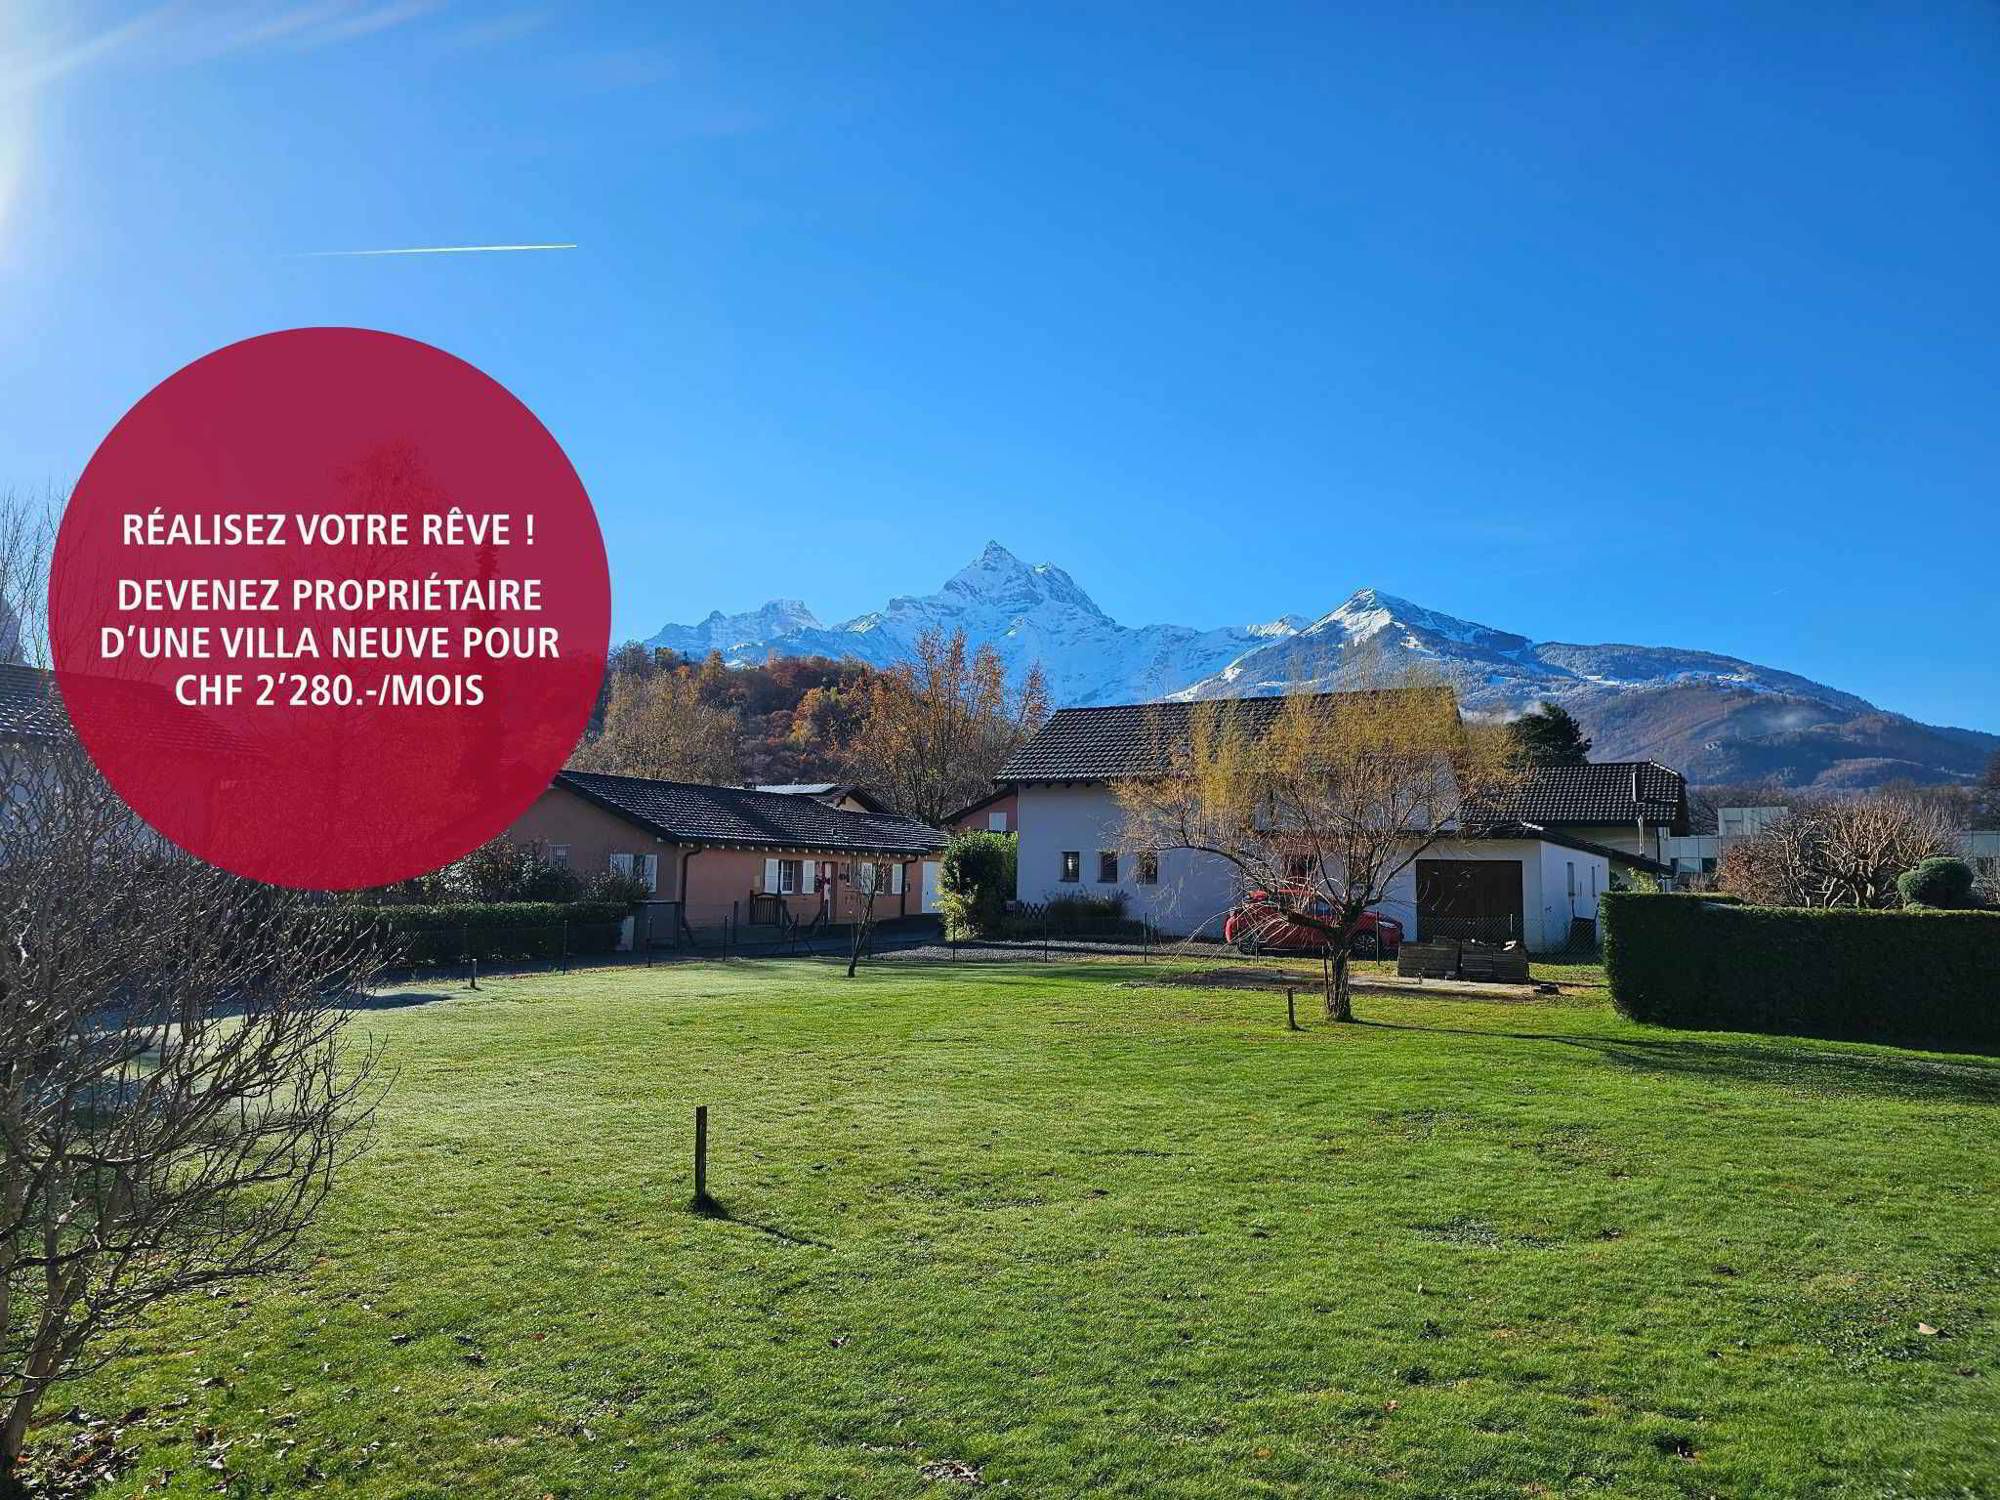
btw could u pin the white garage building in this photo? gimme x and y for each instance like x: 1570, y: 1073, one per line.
x: 1532, y: 872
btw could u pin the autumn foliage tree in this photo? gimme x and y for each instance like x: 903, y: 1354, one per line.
x: 664, y: 723
x: 933, y: 731
x: 1328, y: 797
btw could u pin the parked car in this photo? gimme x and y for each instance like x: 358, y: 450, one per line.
x: 1265, y: 923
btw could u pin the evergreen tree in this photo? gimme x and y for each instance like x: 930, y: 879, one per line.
x: 1549, y: 736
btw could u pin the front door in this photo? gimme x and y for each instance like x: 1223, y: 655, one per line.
x: 1469, y: 898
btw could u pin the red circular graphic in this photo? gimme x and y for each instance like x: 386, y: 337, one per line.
x: 378, y: 758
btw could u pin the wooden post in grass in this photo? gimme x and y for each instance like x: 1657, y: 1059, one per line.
x: 702, y: 1202
x: 1291, y: 1010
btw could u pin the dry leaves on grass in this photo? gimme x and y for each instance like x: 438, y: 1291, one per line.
x: 950, y: 1471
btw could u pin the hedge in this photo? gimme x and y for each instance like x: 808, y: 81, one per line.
x: 494, y: 930
x: 976, y: 883
x: 1709, y: 963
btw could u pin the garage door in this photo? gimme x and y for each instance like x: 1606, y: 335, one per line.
x: 1469, y: 898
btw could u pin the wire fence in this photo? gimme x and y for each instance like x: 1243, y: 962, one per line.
x: 660, y: 934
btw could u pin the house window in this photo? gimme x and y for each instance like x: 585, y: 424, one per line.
x: 1072, y: 866
x: 996, y: 822
x: 791, y: 875
x: 559, y: 855
x: 644, y: 868
x: 1148, y: 867
x: 1107, y: 867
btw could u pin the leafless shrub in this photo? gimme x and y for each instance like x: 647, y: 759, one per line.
x: 1838, y: 852
x: 174, y: 1097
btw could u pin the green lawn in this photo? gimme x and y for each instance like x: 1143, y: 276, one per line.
x: 1082, y: 1236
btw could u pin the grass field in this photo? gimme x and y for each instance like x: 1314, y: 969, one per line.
x: 1066, y: 1234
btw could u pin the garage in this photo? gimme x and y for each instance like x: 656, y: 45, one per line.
x: 1469, y: 898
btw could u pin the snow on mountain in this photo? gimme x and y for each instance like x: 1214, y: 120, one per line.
x: 1028, y: 613
x: 1495, y: 671
x: 1712, y: 715
x: 735, y: 634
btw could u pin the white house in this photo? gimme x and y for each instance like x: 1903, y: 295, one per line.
x: 1529, y: 872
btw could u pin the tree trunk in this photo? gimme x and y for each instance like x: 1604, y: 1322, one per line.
x: 1339, y: 999
x: 13, y: 1437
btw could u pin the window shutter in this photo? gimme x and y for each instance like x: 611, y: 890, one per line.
x: 808, y: 871
x: 770, y: 877
x: 896, y: 880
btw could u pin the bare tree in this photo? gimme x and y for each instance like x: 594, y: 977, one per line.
x: 870, y: 881
x: 937, y: 728
x: 27, y: 541
x: 174, y: 1095
x: 1843, y: 851
x: 1326, y: 798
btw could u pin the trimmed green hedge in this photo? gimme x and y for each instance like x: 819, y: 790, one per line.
x: 1710, y: 963
x: 494, y: 930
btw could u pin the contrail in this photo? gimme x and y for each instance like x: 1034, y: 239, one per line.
x: 439, y: 250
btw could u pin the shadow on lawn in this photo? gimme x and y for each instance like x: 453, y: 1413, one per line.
x: 714, y: 1208
x: 1972, y: 1080
x: 400, y: 999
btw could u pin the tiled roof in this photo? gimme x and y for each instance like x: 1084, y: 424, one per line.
x: 1138, y: 739
x: 29, y: 707
x: 1604, y: 793
x: 833, y: 793
x: 688, y: 812
x: 1126, y: 739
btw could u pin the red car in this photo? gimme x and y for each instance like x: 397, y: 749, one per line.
x: 1264, y: 924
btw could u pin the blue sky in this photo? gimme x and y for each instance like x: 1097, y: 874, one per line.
x: 1670, y: 324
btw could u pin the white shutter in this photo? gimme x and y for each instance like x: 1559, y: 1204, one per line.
x: 896, y: 880
x: 770, y: 877
x: 808, y: 869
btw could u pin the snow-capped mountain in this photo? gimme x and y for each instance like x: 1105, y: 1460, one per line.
x: 1494, y: 671
x: 733, y: 635
x: 1718, y: 718
x: 1029, y: 614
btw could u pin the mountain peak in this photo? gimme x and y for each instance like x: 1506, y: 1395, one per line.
x: 998, y: 579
